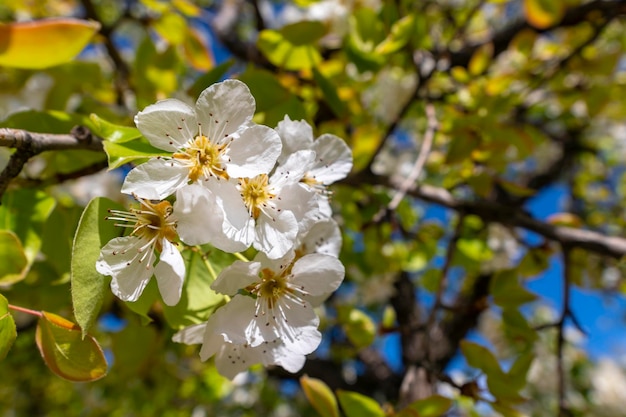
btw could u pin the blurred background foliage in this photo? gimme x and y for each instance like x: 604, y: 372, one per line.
x: 461, y: 116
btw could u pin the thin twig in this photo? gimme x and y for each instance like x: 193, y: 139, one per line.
x: 427, y: 142
x: 560, y: 342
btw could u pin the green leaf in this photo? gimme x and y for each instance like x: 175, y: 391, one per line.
x: 354, y: 404
x: 400, y: 34
x: 144, y: 304
x: 112, y: 132
x: 66, y: 353
x: 480, y: 357
x: 434, y: 406
x: 320, y: 396
x: 359, y: 327
x: 198, y: 300
x: 13, y: 262
x: 293, y: 46
x: 507, y: 290
x: 171, y: 27
x: 330, y: 93
x: 209, y: 78
x: 134, y: 150
x: 519, y: 370
x: 50, y: 121
x: 88, y: 286
x: 25, y: 212
x: 272, y: 99
x: 543, y: 14
x: 133, y: 348
x: 480, y: 60
x: 44, y: 43
x: 475, y: 249
x: 8, y: 332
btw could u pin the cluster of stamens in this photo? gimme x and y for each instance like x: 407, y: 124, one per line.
x: 257, y: 196
x: 204, y: 158
x: 151, y: 223
x: 271, y: 289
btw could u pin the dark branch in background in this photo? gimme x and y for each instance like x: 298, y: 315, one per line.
x: 28, y: 144
x: 226, y: 25
x: 501, y: 39
x: 122, y: 72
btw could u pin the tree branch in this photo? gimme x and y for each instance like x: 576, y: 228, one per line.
x: 502, y: 38
x: 29, y: 144
x: 491, y: 211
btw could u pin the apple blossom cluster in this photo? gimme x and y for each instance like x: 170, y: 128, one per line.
x: 234, y: 184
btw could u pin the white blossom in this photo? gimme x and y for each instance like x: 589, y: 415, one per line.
x: 148, y: 250
x: 214, y: 141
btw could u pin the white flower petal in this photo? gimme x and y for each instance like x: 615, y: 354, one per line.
x: 288, y: 360
x: 120, y: 259
x: 318, y: 274
x: 170, y: 273
x: 234, y: 359
x: 237, y: 225
x: 333, y: 160
x: 190, y: 335
x: 276, y: 236
x: 295, y: 135
x: 323, y: 237
x: 254, y: 152
x: 293, y: 168
x: 201, y: 219
x: 302, y: 202
x: 156, y: 179
x: 236, y: 321
x: 168, y: 124
x: 224, y: 107
x: 236, y: 276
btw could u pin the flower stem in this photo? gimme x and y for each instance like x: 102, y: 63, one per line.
x: 26, y: 310
x: 241, y: 257
x: 207, y: 263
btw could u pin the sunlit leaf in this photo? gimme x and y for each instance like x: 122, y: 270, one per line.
x: 481, y: 59
x: 480, y: 357
x: 88, y: 286
x: 358, y: 405
x: 172, y: 27
x: 66, y: 353
x: 359, y: 327
x: 400, y: 34
x: 13, y: 262
x: 112, y: 132
x: 134, y: 150
x: 209, y: 78
x: 8, y: 332
x: 25, y: 212
x: 293, y: 46
x: 543, y: 14
x: 198, y: 300
x: 506, y: 290
x: 196, y: 51
x: 320, y: 396
x: 434, y: 406
x: 329, y: 90
x: 365, y: 141
x: 44, y: 43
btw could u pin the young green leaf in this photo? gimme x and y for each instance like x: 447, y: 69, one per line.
x: 480, y: 357
x: 13, y: 262
x: 434, y: 406
x: 8, y: 332
x: 320, y: 396
x: 133, y: 150
x: 66, y: 353
x: 25, y: 212
x: 112, y: 132
x: 354, y: 404
x: 88, y: 286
